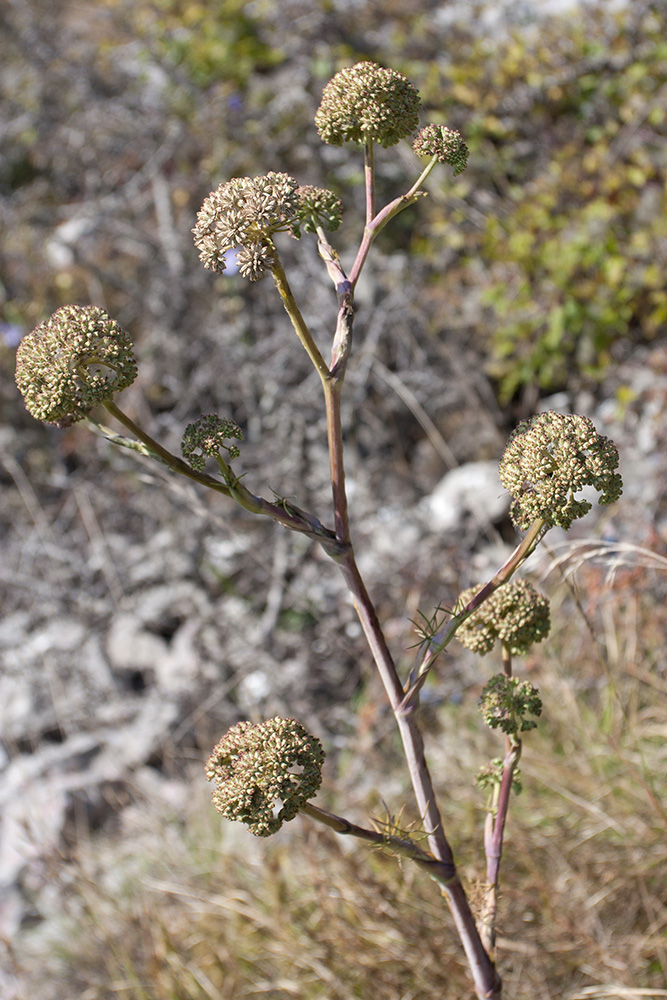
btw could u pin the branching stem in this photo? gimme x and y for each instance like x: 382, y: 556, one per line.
x: 288, y: 515
x: 442, y: 639
x: 442, y: 873
x: 487, y: 984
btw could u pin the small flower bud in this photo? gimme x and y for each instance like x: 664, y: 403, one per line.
x: 367, y: 103
x: 447, y: 145
x: 516, y: 614
x: 73, y: 361
x: 265, y: 773
x: 505, y: 703
x: 548, y: 459
x: 206, y: 437
x: 319, y: 206
x: 490, y: 776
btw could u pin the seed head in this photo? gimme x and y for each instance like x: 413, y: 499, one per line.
x: 516, y: 614
x: 265, y: 773
x: 367, y: 103
x: 73, y: 361
x: 548, y: 459
x: 447, y: 145
x: 244, y: 213
x: 206, y: 437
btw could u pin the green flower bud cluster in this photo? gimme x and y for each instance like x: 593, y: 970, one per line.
x: 73, y: 361
x: 206, y: 436
x: 319, y: 206
x: 265, y: 773
x: 490, y: 776
x: 446, y: 144
x: 548, y: 459
x: 516, y: 614
x: 368, y: 103
x: 243, y: 214
x: 505, y: 703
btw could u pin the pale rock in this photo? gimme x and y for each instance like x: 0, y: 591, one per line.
x: 473, y: 490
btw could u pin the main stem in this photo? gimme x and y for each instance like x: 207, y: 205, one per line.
x: 487, y: 984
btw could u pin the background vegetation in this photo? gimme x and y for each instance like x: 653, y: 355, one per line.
x: 540, y: 269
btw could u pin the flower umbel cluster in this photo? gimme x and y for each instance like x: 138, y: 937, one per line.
x: 516, y: 614
x: 243, y: 214
x: 73, y: 361
x: 206, y: 437
x: 318, y: 206
x: 548, y: 459
x: 265, y: 773
x: 505, y: 703
x: 367, y: 103
x: 444, y: 143
x: 490, y: 776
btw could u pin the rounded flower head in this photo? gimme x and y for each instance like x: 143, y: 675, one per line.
x: 243, y: 214
x: 206, y: 437
x: 367, y: 102
x: 516, y: 614
x: 73, y: 361
x: 447, y: 145
x: 548, y: 459
x: 265, y: 773
x: 506, y: 703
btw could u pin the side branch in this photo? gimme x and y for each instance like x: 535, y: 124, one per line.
x: 289, y: 515
x: 376, y: 226
x: 298, y: 322
x: 440, y: 872
x: 442, y: 639
x: 493, y: 847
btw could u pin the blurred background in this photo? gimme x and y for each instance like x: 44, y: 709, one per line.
x: 140, y: 617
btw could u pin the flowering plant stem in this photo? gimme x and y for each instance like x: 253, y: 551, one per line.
x: 486, y: 981
x: 439, y: 861
x: 494, y: 828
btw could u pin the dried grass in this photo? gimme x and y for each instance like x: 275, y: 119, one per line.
x: 188, y: 909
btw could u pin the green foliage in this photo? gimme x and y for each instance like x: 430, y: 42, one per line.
x: 214, y: 40
x: 575, y: 265
x: 506, y: 702
x: 566, y: 131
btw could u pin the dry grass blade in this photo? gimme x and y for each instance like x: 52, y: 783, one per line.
x: 569, y: 557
